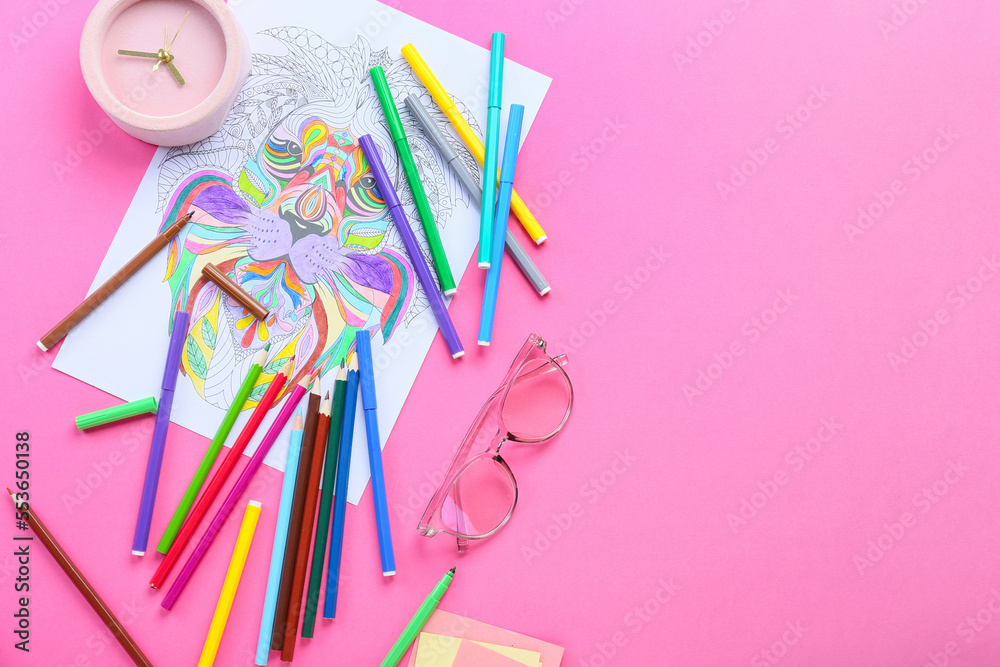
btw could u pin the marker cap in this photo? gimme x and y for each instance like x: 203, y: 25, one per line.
x: 388, y: 105
x: 366, y: 369
x: 496, y: 69
x: 117, y: 412
x: 429, y: 127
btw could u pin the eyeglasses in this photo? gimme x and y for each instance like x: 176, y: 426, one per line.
x: 478, y: 495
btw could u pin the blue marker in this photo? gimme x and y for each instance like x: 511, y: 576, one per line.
x: 514, y: 118
x: 367, y: 372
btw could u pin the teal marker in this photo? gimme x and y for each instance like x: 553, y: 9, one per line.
x: 487, y: 213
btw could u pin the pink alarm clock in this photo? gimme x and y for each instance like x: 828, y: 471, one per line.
x: 166, y: 71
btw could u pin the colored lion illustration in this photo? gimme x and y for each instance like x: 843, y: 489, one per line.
x: 285, y: 204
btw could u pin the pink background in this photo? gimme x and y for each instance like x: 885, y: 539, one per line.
x: 843, y: 561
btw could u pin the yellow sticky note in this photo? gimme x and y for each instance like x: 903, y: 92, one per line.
x: 440, y: 651
x: 436, y: 650
x: 521, y: 655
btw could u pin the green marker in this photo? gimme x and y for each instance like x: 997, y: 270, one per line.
x: 418, y: 621
x: 441, y: 266
x: 170, y: 534
x: 326, y: 503
x: 113, y: 414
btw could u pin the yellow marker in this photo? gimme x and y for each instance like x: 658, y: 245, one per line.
x: 469, y: 137
x: 233, y: 575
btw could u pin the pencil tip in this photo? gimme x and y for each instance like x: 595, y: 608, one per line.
x: 267, y: 347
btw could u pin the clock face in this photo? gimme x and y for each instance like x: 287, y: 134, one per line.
x: 198, y: 50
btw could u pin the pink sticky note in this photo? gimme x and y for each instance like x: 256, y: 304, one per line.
x: 471, y: 654
x: 452, y: 625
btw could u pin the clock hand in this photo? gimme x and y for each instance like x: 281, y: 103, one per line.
x: 173, y: 70
x: 165, y: 56
x: 137, y: 54
x: 167, y: 47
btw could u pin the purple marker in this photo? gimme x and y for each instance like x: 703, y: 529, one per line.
x: 160, y: 433
x: 412, y: 247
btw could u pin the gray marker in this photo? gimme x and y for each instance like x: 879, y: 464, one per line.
x: 514, y: 247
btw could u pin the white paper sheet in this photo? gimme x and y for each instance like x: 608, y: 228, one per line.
x: 121, y: 347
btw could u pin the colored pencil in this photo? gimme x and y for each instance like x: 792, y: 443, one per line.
x: 295, y: 520
x: 278, y: 548
x: 237, y: 293
x: 160, y: 427
x: 469, y: 138
x: 242, y: 482
x: 340, y: 493
x: 30, y: 516
x: 418, y: 621
x: 492, y: 155
x: 218, y: 480
x: 187, y: 500
x: 367, y: 379
x: 413, y: 249
x: 230, y: 584
x: 326, y: 503
x: 452, y: 159
x: 111, y: 284
x: 492, y: 289
x: 398, y: 135
x: 305, y: 534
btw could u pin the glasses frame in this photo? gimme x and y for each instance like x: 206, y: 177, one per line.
x: 534, y: 348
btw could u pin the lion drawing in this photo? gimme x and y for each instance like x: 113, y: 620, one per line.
x: 298, y: 223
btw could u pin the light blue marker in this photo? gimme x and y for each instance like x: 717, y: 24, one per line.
x: 280, y: 535
x: 514, y: 118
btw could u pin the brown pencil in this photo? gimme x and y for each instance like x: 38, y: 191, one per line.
x: 295, y: 520
x: 305, y: 535
x: 111, y: 284
x: 81, y: 583
x: 227, y: 285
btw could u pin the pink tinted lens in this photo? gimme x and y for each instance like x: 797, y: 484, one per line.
x: 538, y: 401
x: 480, y: 500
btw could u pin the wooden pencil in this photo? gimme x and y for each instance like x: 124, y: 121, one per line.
x: 229, y: 286
x: 305, y: 534
x: 325, y: 504
x: 81, y: 583
x: 295, y: 520
x: 111, y: 285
